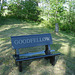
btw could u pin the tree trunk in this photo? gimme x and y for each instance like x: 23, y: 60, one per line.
x: 1, y: 4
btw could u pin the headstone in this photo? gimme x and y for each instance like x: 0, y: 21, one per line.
x: 56, y: 28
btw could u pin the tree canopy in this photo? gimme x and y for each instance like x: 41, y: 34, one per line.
x: 49, y: 12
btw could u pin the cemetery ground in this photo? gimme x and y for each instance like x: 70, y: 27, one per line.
x: 63, y: 43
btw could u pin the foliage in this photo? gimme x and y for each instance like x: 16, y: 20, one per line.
x: 24, y: 9
x: 50, y: 12
x: 56, y: 12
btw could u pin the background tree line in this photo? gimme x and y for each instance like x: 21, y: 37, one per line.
x: 48, y: 12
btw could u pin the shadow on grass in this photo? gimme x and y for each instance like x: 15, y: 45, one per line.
x: 7, y: 63
x: 10, y: 21
x: 70, y: 61
x: 6, y: 52
x: 69, y: 58
x: 20, y: 30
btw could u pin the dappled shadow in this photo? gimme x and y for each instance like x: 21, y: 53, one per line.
x: 46, y: 73
x: 10, y: 21
x: 56, y: 46
x: 17, y: 30
x: 6, y: 63
x: 70, y: 59
x: 40, y: 66
x: 69, y: 52
x: 12, y: 28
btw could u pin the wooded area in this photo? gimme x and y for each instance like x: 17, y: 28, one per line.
x: 30, y: 17
x: 47, y: 12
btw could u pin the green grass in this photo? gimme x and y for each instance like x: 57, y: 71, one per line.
x: 63, y: 43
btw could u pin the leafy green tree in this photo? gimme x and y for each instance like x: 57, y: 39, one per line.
x: 56, y: 12
x: 25, y: 9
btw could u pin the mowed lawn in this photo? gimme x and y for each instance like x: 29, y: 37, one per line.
x: 62, y: 42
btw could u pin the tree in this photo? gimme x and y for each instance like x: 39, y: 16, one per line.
x: 1, y: 1
x: 25, y: 9
x: 56, y: 12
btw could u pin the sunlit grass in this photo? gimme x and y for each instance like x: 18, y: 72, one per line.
x: 63, y: 43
